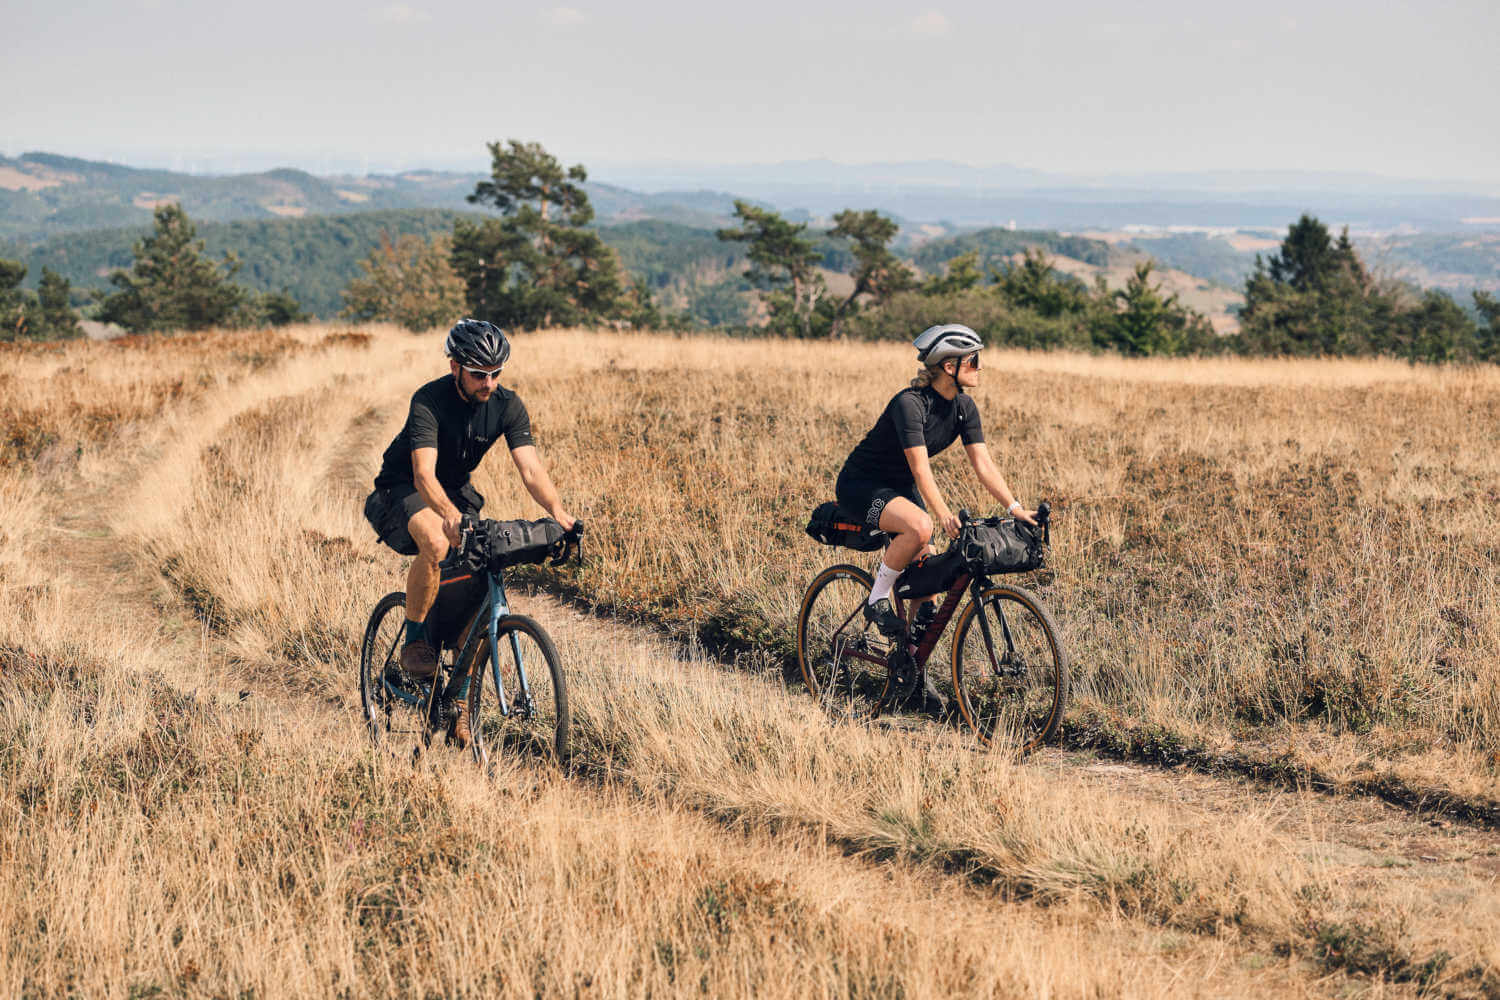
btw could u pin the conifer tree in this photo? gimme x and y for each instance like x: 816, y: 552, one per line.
x: 58, y: 319
x: 14, y: 322
x: 535, y: 265
x: 962, y: 274
x: 172, y: 285
x: 783, y: 264
x: 878, y: 273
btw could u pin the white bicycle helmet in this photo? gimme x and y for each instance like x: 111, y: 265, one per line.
x: 937, y: 344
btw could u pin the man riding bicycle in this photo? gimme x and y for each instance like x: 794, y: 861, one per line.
x: 422, y: 492
x: 887, y: 480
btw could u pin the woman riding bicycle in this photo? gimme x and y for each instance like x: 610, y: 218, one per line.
x: 887, y: 479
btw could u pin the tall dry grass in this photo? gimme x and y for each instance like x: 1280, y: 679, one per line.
x: 1297, y: 554
x: 194, y: 842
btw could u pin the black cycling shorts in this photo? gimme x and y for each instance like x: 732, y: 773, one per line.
x: 866, y: 499
x: 390, y: 510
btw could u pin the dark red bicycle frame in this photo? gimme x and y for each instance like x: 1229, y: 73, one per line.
x: 934, y: 630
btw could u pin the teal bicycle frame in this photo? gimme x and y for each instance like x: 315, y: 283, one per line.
x: 494, y: 607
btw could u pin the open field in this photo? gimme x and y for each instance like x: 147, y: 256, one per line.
x: 1261, y: 568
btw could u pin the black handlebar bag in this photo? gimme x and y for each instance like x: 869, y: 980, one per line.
x: 514, y: 543
x: 494, y: 545
x: 1002, y: 546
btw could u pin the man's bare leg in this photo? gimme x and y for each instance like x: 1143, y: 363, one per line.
x: 426, y: 529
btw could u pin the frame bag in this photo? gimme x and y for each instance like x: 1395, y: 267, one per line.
x: 1002, y: 546
x: 461, y: 590
x: 931, y: 574
x: 831, y: 525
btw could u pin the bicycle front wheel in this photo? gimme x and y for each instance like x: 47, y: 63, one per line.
x: 839, y: 653
x: 507, y: 714
x: 1010, y: 670
x: 394, y: 703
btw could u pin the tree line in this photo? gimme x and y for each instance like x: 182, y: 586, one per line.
x: 538, y: 263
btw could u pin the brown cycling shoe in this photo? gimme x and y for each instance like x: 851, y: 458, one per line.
x: 458, y: 730
x: 419, y: 659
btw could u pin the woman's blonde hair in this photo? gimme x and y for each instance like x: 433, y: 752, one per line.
x: 926, y: 376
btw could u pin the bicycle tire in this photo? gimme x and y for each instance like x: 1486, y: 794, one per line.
x: 830, y: 620
x: 543, y: 726
x: 1017, y: 694
x: 379, y: 660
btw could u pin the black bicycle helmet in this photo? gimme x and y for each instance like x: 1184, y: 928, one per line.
x: 477, y: 344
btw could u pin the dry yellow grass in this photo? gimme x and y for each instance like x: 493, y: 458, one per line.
x: 168, y: 834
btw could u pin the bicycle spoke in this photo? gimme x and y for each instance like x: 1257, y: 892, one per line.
x: 839, y: 653
x: 535, y: 719
x: 1010, y: 669
x: 393, y: 703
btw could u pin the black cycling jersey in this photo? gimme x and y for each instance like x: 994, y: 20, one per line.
x: 913, y: 417
x: 460, y: 431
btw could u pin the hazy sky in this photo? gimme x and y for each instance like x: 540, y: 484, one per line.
x: 1402, y: 89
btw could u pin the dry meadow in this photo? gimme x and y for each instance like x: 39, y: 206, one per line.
x: 1278, y: 773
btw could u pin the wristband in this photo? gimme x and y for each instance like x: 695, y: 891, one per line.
x: 1015, y: 505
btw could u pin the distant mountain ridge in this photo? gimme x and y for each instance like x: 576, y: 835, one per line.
x: 43, y: 194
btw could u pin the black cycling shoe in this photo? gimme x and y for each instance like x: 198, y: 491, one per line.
x: 883, y: 617
x: 926, y: 612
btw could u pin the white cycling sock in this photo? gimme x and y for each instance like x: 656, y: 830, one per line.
x: 885, y: 579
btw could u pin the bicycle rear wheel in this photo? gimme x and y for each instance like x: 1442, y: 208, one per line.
x: 1013, y: 682
x: 839, y: 653
x: 534, y: 720
x: 394, y: 703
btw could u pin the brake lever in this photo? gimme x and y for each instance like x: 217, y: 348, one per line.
x: 572, y: 545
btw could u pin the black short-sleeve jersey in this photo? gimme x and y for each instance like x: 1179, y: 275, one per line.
x: 913, y: 417
x: 460, y: 431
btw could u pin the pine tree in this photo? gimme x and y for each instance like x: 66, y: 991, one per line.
x: 58, y: 319
x: 1146, y: 323
x: 172, y: 285
x: 878, y: 273
x: 14, y: 322
x: 1316, y: 297
x: 961, y: 275
x: 1487, y: 334
x: 1034, y: 284
x: 783, y: 264
x: 536, y: 265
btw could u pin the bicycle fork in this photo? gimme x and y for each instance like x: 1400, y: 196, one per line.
x: 996, y: 662
x: 499, y: 607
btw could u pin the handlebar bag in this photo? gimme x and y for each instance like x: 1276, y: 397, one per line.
x: 830, y: 524
x: 1002, y: 546
x: 931, y: 574
x: 511, y: 543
